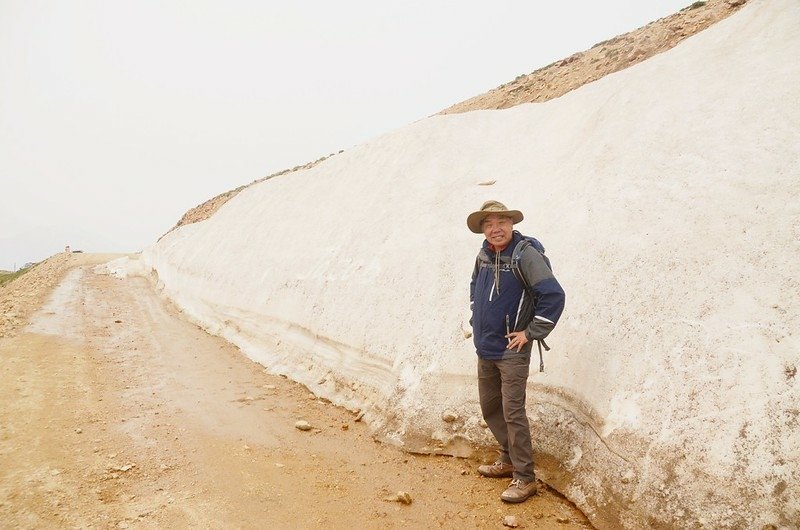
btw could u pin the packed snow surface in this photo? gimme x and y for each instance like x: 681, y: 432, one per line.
x: 668, y: 198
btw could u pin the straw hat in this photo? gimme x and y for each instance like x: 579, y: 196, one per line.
x: 475, y: 219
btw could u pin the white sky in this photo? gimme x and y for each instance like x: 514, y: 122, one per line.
x: 116, y: 117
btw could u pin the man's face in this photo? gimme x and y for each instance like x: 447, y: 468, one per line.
x: 497, y: 230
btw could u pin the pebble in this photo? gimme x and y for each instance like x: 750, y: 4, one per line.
x: 302, y: 425
x: 562, y: 519
x: 78, y: 431
x: 270, y: 387
x: 403, y: 497
x: 510, y: 521
x: 449, y: 417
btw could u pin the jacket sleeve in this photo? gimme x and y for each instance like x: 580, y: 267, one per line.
x: 547, y: 292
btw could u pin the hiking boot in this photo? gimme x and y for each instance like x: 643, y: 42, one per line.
x: 518, y: 491
x: 497, y: 470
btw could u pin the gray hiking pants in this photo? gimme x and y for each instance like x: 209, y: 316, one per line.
x: 501, y: 388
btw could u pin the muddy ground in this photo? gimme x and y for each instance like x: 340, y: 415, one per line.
x: 117, y: 413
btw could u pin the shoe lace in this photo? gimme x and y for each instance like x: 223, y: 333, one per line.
x: 516, y: 483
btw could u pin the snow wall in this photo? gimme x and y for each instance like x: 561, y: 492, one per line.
x: 668, y: 197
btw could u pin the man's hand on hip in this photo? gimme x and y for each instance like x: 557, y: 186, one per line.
x: 517, y: 339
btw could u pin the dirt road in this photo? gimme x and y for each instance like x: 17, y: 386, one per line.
x: 117, y: 413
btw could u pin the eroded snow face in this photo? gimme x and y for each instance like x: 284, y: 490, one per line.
x: 667, y: 198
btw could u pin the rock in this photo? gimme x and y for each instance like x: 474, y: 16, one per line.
x: 510, y: 521
x: 345, y: 427
x: 302, y: 425
x: 628, y: 476
x: 736, y: 3
x: 561, y: 519
x: 403, y: 497
x: 78, y: 431
x: 449, y: 417
x: 270, y: 387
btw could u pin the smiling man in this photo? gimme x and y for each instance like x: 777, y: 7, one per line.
x: 507, y: 317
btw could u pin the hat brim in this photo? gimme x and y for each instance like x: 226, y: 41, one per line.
x: 475, y: 219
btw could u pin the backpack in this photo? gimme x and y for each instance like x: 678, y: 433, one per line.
x: 516, y: 255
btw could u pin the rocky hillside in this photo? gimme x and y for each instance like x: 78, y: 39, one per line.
x: 205, y: 210
x: 556, y: 79
x: 603, y: 58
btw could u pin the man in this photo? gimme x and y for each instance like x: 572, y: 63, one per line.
x: 505, y: 321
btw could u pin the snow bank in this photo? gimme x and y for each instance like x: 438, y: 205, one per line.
x: 668, y: 197
x: 122, y: 268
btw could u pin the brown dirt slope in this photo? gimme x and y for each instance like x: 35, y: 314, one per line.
x: 556, y: 79
x: 26, y: 293
x: 602, y: 59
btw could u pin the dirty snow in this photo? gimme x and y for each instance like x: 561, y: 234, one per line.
x: 668, y: 198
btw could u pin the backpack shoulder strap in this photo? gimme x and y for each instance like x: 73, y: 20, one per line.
x: 516, y: 255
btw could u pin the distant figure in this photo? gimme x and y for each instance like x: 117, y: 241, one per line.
x: 506, y: 319
x: 66, y: 249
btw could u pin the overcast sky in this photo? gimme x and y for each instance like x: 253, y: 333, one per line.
x: 117, y: 117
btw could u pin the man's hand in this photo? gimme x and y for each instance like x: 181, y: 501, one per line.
x: 517, y: 340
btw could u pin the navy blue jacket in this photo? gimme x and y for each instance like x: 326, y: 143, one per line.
x: 500, y: 304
